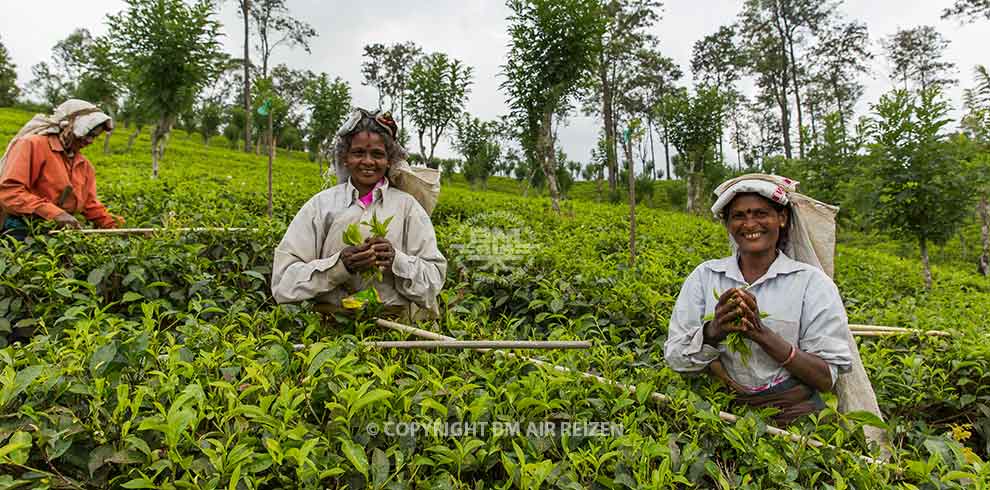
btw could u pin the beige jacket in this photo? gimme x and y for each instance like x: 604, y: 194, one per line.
x: 307, y: 262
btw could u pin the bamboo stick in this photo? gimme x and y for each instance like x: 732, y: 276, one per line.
x: 138, y: 231
x: 897, y: 330
x: 479, y: 344
x: 658, y: 397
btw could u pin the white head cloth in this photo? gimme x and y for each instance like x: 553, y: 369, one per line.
x: 811, y: 238
x: 82, y: 115
x: 422, y: 183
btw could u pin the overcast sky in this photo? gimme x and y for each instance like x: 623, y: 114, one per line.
x: 474, y: 31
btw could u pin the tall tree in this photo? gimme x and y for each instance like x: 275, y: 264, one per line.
x: 923, y: 190
x: 626, y: 31
x: 329, y: 102
x: 56, y: 81
x: 782, y: 25
x: 276, y: 27
x: 171, y: 50
x: 968, y: 10
x: 438, y: 90
x: 477, y: 142
x: 917, y: 55
x: 652, y: 81
x: 554, y: 46
x: 387, y: 68
x: 694, y: 130
x: 976, y: 124
x: 8, y: 79
x: 246, y: 99
x: 716, y: 61
x: 840, y: 56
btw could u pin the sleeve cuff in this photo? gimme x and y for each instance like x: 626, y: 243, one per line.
x: 333, y: 268
x: 700, y: 352
x: 48, y: 211
x: 403, y: 265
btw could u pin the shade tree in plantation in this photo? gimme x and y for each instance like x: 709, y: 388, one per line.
x: 718, y: 61
x: 917, y: 56
x: 976, y: 124
x: 695, y: 122
x: 8, y: 79
x: 387, y: 68
x: 276, y: 27
x: 554, y: 45
x: 329, y: 102
x: 171, y: 51
x: 650, y: 83
x: 625, y: 32
x: 968, y: 10
x: 841, y: 55
x: 437, y: 92
x: 920, y: 181
x: 478, y: 142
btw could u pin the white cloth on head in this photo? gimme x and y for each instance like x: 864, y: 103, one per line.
x: 83, y: 116
x: 811, y: 237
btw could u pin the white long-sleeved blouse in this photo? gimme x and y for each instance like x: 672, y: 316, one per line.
x: 307, y: 262
x: 804, y: 308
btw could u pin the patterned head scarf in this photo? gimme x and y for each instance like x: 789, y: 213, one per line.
x: 74, y: 117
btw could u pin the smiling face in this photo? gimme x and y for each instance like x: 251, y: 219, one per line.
x: 755, y: 224
x: 367, y: 160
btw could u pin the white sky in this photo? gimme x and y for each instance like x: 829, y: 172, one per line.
x: 473, y: 31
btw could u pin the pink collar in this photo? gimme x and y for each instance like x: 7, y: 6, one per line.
x: 367, y: 198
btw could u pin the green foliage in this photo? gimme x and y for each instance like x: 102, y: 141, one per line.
x: 163, y: 362
x: 171, y: 49
x: 8, y: 79
x: 922, y: 185
x: 477, y: 141
x: 329, y: 101
x: 437, y: 93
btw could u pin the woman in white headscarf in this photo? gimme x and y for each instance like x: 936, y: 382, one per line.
x: 43, y: 174
x: 313, y: 262
x: 788, y: 312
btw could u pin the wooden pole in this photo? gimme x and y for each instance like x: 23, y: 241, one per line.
x: 141, y: 231
x: 271, y: 157
x: 658, y: 397
x: 479, y: 344
x: 898, y: 330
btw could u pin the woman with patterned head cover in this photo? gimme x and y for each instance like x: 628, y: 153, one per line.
x: 313, y: 262
x: 43, y: 174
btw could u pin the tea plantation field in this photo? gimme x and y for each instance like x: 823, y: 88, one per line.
x: 164, y: 362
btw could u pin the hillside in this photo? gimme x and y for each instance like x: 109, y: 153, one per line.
x: 164, y: 363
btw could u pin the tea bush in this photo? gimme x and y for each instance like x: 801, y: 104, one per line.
x: 163, y: 362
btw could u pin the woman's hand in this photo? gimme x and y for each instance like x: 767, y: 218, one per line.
x: 750, y: 315
x: 729, y: 314
x: 66, y: 220
x: 358, y: 258
x: 384, y: 252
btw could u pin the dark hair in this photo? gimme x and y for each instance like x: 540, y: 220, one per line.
x: 393, y: 149
x: 785, y: 232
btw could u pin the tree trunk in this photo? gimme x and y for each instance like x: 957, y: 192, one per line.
x: 797, y: 98
x: 157, y: 143
x: 106, y: 143
x: 695, y: 182
x: 546, y: 157
x: 608, y: 119
x: 984, y: 266
x: 785, y: 119
x: 134, y: 135
x: 653, y: 150
x: 246, y: 6
x: 632, y: 204
x: 666, y: 150
x: 924, y: 263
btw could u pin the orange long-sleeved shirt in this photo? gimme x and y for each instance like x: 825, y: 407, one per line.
x: 37, y: 172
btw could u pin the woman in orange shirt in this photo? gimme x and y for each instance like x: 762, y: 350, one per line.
x: 43, y: 173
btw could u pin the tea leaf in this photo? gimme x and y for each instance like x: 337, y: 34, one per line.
x: 355, y: 454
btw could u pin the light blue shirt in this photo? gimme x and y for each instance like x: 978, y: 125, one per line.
x: 804, y: 308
